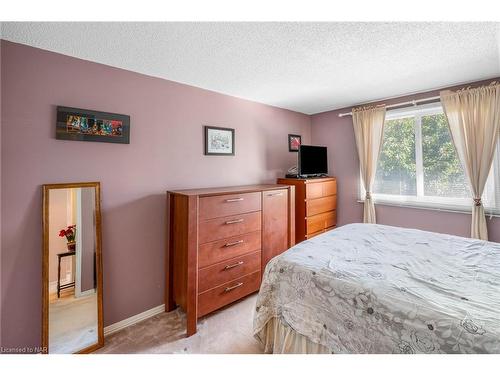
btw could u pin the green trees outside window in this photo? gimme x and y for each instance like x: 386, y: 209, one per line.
x: 418, y: 158
x: 443, y: 173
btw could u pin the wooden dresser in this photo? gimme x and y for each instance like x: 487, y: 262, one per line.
x: 315, y: 205
x: 220, y: 240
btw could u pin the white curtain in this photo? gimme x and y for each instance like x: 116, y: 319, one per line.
x: 368, y: 125
x: 474, y: 120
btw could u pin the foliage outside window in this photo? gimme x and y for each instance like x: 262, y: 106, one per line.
x: 418, y: 164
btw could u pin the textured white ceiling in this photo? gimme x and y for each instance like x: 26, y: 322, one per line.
x: 306, y: 67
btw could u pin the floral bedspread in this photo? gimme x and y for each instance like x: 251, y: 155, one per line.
x: 367, y: 288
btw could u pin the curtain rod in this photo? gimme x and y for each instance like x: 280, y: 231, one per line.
x: 412, y: 102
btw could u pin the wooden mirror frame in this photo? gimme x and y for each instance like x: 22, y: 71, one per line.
x: 45, y: 263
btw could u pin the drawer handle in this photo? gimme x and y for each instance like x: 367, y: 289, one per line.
x: 274, y: 194
x: 234, y: 200
x: 234, y: 221
x: 229, y: 244
x: 228, y: 289
x: 228, y: 267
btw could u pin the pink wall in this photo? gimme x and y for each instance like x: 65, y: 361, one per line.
x: 337, y: 133
x: 58, y: 219
x: 166, y: 152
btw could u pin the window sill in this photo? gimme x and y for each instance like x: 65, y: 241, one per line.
x: 423, y: 206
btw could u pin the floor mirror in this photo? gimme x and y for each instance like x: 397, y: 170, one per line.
x: 72, y: 317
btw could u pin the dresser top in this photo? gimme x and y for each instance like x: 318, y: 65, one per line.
x: 228, y: 190
x: 309, y: 180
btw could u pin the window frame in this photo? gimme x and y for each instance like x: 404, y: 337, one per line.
x: 420, y: 200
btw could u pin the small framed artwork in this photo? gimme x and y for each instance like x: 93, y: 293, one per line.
x: 218, y: 141
x: 294, y: 142
x: 75, y: 124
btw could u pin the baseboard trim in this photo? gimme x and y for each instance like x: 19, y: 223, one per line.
x: 118, y: 326
x: 53, y: 284
x: 87, y: 293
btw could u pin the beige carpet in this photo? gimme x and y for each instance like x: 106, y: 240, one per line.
x: 225, y: 331
x: 72, y: 323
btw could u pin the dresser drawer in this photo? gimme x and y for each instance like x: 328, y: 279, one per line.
x: 229, y: 226
x: 218, y: 251
x: 320, y: 205
x: 215, y: 298
x: 321, y: 189
x: 311, y: 235
x: 223, y: 272
x: 329, y: 188
x: 226, y: 205
x: 320, y: 222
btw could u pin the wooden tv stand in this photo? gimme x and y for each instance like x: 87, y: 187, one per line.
x: 315, y: 205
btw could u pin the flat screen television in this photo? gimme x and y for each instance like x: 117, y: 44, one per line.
x: 313, y: 161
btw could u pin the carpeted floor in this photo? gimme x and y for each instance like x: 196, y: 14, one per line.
x: 224, y: 332
x: 73, y: 323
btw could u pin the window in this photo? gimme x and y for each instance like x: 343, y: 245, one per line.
x: 418, y: 164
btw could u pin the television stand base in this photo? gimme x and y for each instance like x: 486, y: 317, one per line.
x: 304, y: 176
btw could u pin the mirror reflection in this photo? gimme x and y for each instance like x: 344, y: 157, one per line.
x: 73, y: 322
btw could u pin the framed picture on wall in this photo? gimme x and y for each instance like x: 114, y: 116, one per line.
x: 218, y: 141
x: 294, y: 142
x: 75, y: 124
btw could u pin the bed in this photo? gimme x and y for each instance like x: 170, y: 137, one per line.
x: 368, y: 288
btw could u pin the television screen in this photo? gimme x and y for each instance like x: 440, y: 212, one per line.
x: 312, y: 160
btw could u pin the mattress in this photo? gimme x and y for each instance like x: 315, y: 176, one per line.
x: 368, y: 288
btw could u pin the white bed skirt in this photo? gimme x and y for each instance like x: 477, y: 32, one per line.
x: 278, y: 338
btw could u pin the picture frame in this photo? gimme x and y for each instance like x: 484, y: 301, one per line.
x: 76, y: 124
x: 218, y: 141
x: 294, y: 142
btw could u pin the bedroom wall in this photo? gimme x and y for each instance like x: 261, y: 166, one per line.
x: 58, y: 219
x: 166, y: 152
x: 337, y: 133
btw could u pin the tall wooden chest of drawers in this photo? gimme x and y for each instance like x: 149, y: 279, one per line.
x: 220, y: 240
x: 315, y: 205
